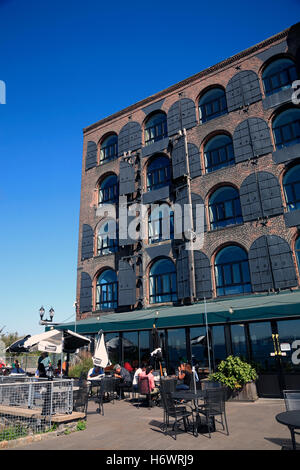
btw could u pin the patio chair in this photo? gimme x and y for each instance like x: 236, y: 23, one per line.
x: 168, y: 385
x: 144, y: 390
x: 291, y: 399
x: 214, y: 405
x: 178, y: 413
x: 81, y: 397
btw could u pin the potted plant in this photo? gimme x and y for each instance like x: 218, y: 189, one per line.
x: 238, y: 377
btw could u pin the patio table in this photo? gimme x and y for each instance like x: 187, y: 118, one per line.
x: 190, y: 395
x: 291, y: 419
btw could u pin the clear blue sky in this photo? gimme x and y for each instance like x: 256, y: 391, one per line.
x: 67, y: 64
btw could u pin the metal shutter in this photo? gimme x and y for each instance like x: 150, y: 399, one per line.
x: 130, y: 137
x: 282, y: 262
x: 259, y: 264
x: 85, y: 293
x: 181, y: 200
x: 182, y: 114
x: 242, y: 89
x: 91, y: 155
x: 179, y: 158
x: 87, y: 242
x: 250, y: 199
x: 183, y: 275
x: 126, y: 284
x: 270, y: 194
x: 127, y: 178
x: 194, y: 160
x: 251, y: 138
x: 202, y: 275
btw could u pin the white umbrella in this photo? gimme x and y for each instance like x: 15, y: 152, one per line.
x: 100, y: 357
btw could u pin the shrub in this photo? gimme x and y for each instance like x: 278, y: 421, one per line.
x: 81, y: 426
x: 234, y: 373
x: 83, y: 366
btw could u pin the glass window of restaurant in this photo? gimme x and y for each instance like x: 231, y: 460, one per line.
x: 199, y: 347
x: 262, y: 346
x: 218, y: 345
x: 113, y: 346
x: 238, y: 339
x: 144, y: 346
x: 177, y: 352
x: 289, y: 331
x: 130, y: 347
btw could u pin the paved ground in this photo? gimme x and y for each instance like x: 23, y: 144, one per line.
x: 252, y: 426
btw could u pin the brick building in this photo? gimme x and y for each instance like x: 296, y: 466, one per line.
x: 229, y: 138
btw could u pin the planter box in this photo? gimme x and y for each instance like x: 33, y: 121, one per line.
x: 247, y: 393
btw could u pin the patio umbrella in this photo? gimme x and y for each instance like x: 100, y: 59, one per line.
x: 18, y: 346
x: 100, y: 357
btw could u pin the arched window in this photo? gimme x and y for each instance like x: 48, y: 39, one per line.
x: 291, y: 185
x: 232, y: 271
x: 279, y: 75
x: 212, y: 104
x: 109, y: 148
x: 297, y: 251
x: 225, y: 207
x: 156, y: 128
x: 162, y: 282
x: 286, y: 128
x: 158, y: 173
x: 107, y: 290
x: 107, y: 240
x: 108, y: 190
x: 161, y: 224
x: 218, y: 152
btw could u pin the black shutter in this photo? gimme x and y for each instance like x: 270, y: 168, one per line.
x: 259, y: 264
x: 181, y: 200
x: 182, y: 114
x: 179, y: 158
x: 91, y: 155
x: 127, y: 178
x: 130, y: 137
x: 250, y: 199
x: 126, y: 284
x: 251, y: 138
x: 260, y: 196
x: 87, y: 242
x: 85, y: 293
x: 194, y: 160
x: 282, y: 262
x: 202, y: 275
x: 242, y: 89
x: 183, y: 275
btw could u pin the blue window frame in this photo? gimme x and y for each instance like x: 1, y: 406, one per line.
x: 107, y: 290
x: 291, y: 184
x: 109, y: 148
x: 158, y: 173
x: 225, y: 207
x: 286, y: 128
x: 108, y: 190
x: 297, y: 251
x: 107, y: 241
x: 218, y: 153
x: 156, y: 128
x: 161, y: 224
x: 232, y: 271
x: 212, y: 104
x: 162, y: 282
x: 279, y: 75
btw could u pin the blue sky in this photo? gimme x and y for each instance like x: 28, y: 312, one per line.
x: 67, y: 64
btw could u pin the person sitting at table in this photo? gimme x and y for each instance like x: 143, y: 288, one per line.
x: 137, y: 373
x: 148, y: 373
x: 185, y: 374
x: 128, y: 367
x: 95, y: 373
x: 17, y: 369
x: 124, y: 382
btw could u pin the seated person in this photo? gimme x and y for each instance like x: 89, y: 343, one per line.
x: 137, y: 373
x: 17, y: 369
x: 95, y: 373
x: 148, y: 373
x: 125, y: 380
x: 185, y: 374
x: 128, y: 367
x: 59, y: 369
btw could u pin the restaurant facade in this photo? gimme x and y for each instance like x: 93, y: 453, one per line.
x: 227, y: 141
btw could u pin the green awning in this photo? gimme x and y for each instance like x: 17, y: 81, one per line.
x: 245, y: 308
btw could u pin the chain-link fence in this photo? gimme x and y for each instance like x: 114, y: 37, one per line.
x: 27, y: 405
x: 29, y: 363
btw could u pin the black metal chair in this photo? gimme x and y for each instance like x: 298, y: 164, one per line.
x: 178, y: 413
x: 214, y: 405
x: 107, y: 390
x: 291, y: 399
x: 81, y: 397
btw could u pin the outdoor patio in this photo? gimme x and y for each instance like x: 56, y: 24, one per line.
x: 252, y: 426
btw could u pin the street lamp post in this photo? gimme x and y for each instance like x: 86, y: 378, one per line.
x: 47, y: 321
